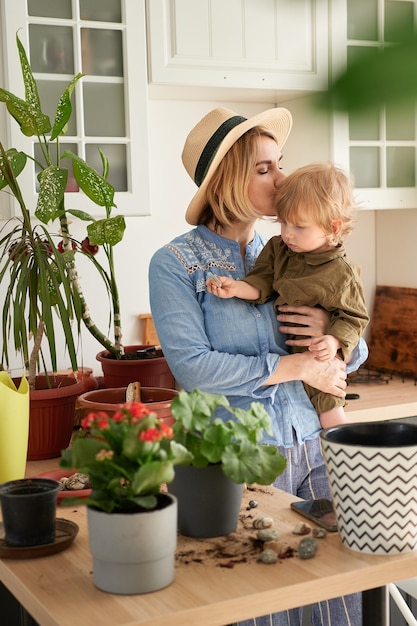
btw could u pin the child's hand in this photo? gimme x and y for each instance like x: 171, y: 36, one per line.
x: 221, y: 286
x: 324, y: 348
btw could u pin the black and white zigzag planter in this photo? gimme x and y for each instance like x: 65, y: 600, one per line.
x: 372, y: 469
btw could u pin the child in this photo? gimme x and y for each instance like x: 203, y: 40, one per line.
x: 307, y: 265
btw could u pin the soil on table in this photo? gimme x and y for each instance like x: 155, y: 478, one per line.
x: 241, y: 546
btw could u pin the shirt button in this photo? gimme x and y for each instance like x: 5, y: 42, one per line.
x: 258, y: 315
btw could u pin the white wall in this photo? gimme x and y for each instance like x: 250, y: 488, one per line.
x: 382, y: 243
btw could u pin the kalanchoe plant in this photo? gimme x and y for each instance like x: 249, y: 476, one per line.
x: 127, y: 457
x: 38, y: 267
x: 235, y: 443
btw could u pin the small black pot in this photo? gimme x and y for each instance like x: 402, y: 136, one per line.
x: 29, y: 511
x: 208, y: 501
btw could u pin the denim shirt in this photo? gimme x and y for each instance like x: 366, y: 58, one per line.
x: 227, y: 346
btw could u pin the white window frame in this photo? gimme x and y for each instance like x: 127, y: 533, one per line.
x: 135, y: 201
x: 367, y: 198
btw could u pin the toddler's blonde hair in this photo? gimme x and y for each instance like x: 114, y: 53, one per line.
x: 320, y: 193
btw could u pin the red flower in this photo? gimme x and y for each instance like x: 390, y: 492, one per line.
x: 162, y: 431
x: 131, y: 412
x: 150, y: 434
x: 138, y: 410
x: 167, y: 431
x: 88, y: 248
x: 100, y: 420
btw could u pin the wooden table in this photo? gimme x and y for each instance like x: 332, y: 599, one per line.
x: 381, y: 400
x: 54, y: 589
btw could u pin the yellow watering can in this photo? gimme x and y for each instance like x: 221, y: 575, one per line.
x: 14, y: 427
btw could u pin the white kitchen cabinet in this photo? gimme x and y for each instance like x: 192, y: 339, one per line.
x: 248, y: 44
x: 106, y: 41
x: 379, y: 147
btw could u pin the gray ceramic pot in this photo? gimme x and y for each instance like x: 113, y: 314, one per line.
x: 208, y: 501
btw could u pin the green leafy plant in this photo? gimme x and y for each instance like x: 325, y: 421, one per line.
x: 37, y: 266
x: 234, y: 443
x: 127, y: 457
x: 374, y: 80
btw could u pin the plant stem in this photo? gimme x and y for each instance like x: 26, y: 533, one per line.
x: 35, y: 354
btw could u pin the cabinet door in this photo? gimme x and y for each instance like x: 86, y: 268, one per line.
x: 378, y: 146
x: 106, y: 41
x: 251, y: 44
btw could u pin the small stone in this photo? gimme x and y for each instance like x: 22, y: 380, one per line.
x: 252, y: 504
x: 307, y: 548
x: 277, y: 546
x: 263, y: 522
x: 268, y: 556
x: 63, y: 482
x: 301, y: 529
x: 319, y: 533
x: 267, y: 534
x: 77, y: 482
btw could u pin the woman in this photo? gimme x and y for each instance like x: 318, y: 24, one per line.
x: 232, y: 347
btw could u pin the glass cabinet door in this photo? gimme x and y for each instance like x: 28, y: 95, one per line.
x: 104, y: 40
x: 378, y: 146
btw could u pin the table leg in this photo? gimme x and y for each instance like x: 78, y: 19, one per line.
x: 375, y: 607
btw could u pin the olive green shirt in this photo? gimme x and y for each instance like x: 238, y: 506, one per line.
x: 327, y: 279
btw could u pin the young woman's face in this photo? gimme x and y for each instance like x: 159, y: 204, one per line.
x: 266, y: 176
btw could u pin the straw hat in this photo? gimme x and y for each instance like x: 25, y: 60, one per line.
x: 213, y: 136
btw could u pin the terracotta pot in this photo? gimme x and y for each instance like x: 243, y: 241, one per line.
x: 156, y: 398
x: 149, y: 372
x: 51, y: 416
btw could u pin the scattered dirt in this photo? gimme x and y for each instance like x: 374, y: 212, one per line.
x: 240, y: 546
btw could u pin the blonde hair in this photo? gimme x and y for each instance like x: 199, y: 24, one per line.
x: 227, y: 191
x: 320, y: 193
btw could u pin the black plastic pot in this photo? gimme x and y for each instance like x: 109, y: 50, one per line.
x: 208, y: 501
x: 29, y: 511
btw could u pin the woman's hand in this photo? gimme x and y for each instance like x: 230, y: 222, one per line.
x: 327, y: 376
x: 314, y: 323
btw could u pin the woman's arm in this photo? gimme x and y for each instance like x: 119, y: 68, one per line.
x: 209, y: 345
x: 327, y: 376
x: 182, y: 329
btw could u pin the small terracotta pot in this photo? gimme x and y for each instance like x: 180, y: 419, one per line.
x: 157, y: 400
x: 51, y: 415
x: 149, y: 372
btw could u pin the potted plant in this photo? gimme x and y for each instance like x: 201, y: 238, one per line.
x: 38, y: 268
x: 127, y: 457
x: 226, y: 453
x: 157, y: 399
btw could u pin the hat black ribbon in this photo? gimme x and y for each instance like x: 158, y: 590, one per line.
x: 212, y: 146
